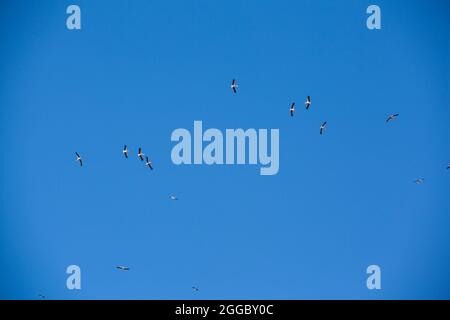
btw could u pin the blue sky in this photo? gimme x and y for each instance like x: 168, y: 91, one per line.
x: 138, y: 70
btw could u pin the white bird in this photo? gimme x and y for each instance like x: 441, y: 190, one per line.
x: 322, y: 127
x: 419, y: 181
x: 140, y: 154
x: 123, y: 268
x: 172, y: 197
x: 195, y: 288
x: 79, y: 159
x: 292, y: 109
x: 234, y: 85
x: 125, y: 151
x: 307, y: 102
x: 392, y: 117
x: 148, y: 163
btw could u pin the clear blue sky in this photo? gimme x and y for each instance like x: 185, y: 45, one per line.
x: 140, y: 69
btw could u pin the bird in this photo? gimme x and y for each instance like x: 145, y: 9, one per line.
x: 448, y: 166
x: 79, y: 159
x: 392, y: 117
x: 123, y: 268
x: 292, y: 109
x: 41, y: 296
x: 172, y: 197
x: 322, y: 127
x: 307, y: 102
x: 148, y: 163
x: 195, y: 289
x: 140, y: 154
x: 419, y: 181
x: 234, y: 85
x: 125, y: 151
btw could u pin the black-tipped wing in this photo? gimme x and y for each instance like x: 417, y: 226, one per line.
x: 233, y: 85
x: 123, y: 268
x: 308, y: 102
x: 148, y: 163
x: 322, y: 127
x: 392, y: 116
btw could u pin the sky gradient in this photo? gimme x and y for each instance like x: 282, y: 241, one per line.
x: 137, y: 70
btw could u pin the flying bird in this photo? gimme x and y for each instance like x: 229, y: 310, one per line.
x: 79, y: 159
x: 322, y: 127
x: 172, y: 197
x: 307, y: 102
x: 123, y: 268
x: 195, y: 288
x: 292, y: 109
x: 125, y: 151
x: 148, y: 163
x: 419, y: 181
x: 140, y: 154
x: 234, y: 85
x: 392, y: 117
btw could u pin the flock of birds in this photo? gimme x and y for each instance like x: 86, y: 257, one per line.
x: 308, y: 104
x: 140, y: 154
x: 234, y: 87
